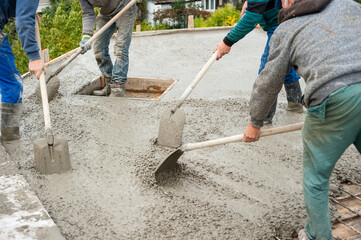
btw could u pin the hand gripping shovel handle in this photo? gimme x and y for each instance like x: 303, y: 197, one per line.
x: 95, y: 36
x: 195, y: 82
x: 237, y: 138
x: 44, y: 94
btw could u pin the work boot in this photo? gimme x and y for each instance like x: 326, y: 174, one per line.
x: 295, y: 107
x: 302, y: 235
x: 10, y: 121
x: 294, y: 96
x: 117, y: 89
x: 106, y: 90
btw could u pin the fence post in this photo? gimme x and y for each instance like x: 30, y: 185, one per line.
x: 190, y: 21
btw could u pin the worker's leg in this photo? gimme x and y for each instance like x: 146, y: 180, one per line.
x: 101, y: 46
x: 125, y: 25
x: 328, y: 130
x: 11, y: 89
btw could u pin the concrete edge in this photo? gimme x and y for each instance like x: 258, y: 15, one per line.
x: 22, y: 214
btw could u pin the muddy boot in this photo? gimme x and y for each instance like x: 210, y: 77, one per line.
x: 106, y: 90
x: 294, y: 95
x: 10, y: 121
x: 117, y: 89
x: 294, y: 107
x: 302, y: 235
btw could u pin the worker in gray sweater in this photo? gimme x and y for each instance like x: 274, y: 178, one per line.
x: 114, y: 75
x: 321, y: 40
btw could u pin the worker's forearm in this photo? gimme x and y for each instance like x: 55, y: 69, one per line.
x: 245, y: 25
x: 88, y: 17
x: 25, y: 27
x: 270, y: 81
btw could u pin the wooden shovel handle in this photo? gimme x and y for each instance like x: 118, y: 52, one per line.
x: 44, y: 95
x: 237, y: 138
x: 195, y: 82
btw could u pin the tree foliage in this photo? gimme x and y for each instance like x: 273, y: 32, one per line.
x: 60, y: 31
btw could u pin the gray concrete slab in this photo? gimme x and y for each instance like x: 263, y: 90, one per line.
x: 236, y: 191
x: 22, y: 216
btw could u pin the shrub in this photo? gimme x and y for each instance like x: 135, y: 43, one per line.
x: 177, y: 16
x: 226, y: 16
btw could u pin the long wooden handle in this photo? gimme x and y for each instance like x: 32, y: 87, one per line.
x: 44, y: 95
x: 95, y: 36
x: 195, y: 82
x: 237, y: 138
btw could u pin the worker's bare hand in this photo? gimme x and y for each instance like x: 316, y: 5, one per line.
x: 36, y: 67
x: 222, y: 49
x: 251, y: 134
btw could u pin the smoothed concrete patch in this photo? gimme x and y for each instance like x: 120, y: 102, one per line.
x: 22, y: 216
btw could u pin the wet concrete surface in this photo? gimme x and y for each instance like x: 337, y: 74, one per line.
x: 236, y: 191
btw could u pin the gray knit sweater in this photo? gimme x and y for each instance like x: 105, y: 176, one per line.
x: 107, y: 8
x: 324, y: 48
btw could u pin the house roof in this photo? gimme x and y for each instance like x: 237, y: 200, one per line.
x: 161, y: 2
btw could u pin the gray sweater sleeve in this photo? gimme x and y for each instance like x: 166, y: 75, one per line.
x: 270, y: 81
x: 88, y: 17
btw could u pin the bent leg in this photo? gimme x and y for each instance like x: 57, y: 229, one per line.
x: 101, y: 46
x: 328, y: 130
x: 125, y: 26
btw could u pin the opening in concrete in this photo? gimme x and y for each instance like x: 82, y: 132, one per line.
x: 136, y: 88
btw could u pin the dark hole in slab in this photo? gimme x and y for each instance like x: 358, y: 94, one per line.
x: 137, y: 88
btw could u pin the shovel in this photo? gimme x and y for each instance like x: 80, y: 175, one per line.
x: 51, y: 153
x: 173, y: 119
x: 53, y: 80
x: 170, y: 163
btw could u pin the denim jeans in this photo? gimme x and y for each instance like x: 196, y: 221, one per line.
x: 291, y: 77
x: 119, y: 71
x: 11, y: 83
x: 329, y: 129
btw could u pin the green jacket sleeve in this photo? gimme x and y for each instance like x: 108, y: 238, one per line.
x: 252, y: 17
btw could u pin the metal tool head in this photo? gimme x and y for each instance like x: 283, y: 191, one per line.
x: 169, y: 165
x: 171, y: 128
x: 50, y: 159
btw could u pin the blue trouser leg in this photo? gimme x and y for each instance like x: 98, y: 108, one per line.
x: 11, y: 83
x: 101, y: 46
x: 291, y: 77
x: 125, y: 26
x: 329, y: 130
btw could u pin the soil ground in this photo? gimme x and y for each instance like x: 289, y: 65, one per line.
x: 236, y: 191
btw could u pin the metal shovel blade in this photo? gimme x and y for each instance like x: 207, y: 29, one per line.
x: 171, y: 128
x: 169, y: 164
x: 52, y: 87
x: 52, y: 159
